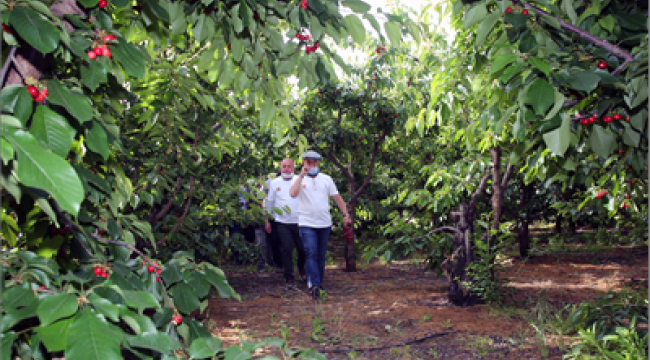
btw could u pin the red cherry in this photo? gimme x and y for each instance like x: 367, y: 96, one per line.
x: 98, y: 51
x: 33, y: 91
x: 625, y: 206
x: 156, y: 263
x: 306, y: 37
x: 621, y: 152
x: 158, y: 271
x: 627, y: 196
x: 632, y: 182
x: 94, y: 171
x: 43, y: 287
x: 207, y: 11
x: 627, y: 119
x: 44, y: 92
x: 157, y: 278
x: 103, y: 4
x: 525, y: 12
x: 40, y: 98
x: 6, y: 29
x: 228, y: 46
x: 256, y: 16
x: 92, y: 55
x: 508, y: 10
x: 105, y: 275
x: 617, y: 117
x: 98, y: 271
x: 602, y: 65
x: 298, y: 36
x: 151, y: 269
x: 107, y: 53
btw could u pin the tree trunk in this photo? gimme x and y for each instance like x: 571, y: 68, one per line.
x: 350, y: 256
x: 497, y: 194
x: 455, y: 267
x: 558, y: 224
x: 523, y: 235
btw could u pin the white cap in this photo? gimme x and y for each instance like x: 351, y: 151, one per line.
x: 311, y: 154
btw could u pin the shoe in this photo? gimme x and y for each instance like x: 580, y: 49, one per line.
x: 289, y: 285
x: 315, y: 293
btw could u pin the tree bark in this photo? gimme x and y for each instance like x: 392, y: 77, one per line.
x: 523, y: 235
x: 497, y: 193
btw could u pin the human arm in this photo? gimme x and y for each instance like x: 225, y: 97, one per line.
x: 341, y: 204
x: 270, y: 202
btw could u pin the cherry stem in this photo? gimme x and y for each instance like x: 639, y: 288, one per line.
x: 8, y: 62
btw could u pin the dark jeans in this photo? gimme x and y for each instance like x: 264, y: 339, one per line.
x: 315, y: 242
x: 290, y: 237
x: 276, y: 245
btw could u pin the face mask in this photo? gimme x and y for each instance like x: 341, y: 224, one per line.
x: 287, y: 176
x: 313, y: 171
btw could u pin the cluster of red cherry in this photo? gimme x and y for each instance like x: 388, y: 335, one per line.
x: 102, y: 49
x: 312, y: 48
x: 380, y: 48
x: 304, y: 4
x: 38, y: 96
x: 606, y: 119
x: 601, y: 193
x: 347, y: 233
x: 100, y: 271
x: 61, y: 231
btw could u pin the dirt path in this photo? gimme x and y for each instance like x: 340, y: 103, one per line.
x: 388, y: 306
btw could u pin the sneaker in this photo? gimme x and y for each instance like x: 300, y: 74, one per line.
x: 289, y: 285
x: 315, y: 293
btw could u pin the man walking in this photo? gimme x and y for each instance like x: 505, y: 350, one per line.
x: 286, y: 224
x: 313, y: 190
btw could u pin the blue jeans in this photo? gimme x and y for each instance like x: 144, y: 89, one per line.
x: 315, y: 243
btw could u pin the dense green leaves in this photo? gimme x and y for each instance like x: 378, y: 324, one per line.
x: 44, y: 170
x: 52, y: 131
x: 541, y: 95
x: 15, y: 99
x: 92, y: 338
x: 77, y: 105
x: 55, y: 307
x: 35, y: 29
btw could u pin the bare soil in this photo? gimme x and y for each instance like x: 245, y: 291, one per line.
x: 397, y: 311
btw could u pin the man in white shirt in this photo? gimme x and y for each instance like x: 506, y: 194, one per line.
x: 313, y: 190
x: 286, y: 224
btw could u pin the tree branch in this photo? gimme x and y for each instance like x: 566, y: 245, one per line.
x: 185, y: 210
x: 478, y: 192
x: 154, y: 218
x: 592, y: 38
x: 72, y: 225
x: 506, y: 177
x: 8, y: 62
x: 375, y: 151
x: 445, y: 228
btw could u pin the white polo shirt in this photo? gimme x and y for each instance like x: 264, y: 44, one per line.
x: 279, y: 197
x: 314, y: 201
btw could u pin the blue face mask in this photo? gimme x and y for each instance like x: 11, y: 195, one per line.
x: 313, y: 171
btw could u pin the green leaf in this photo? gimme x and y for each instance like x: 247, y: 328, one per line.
x: 199, y: 283
x: 90, y: 337
x: 237, y: 24
x: 40, y: 168
x: 204, y: 347
x: 140, y: 299
x: 584, y: 81
x: 220, y: 282
x: 130, y: 57
x: 52, y: 130
x: 237, y: 353
x: 55, y: 307
x: 159, y: 342
x: 17, y: 296
x: 10, y: 121
x: 559, y: 139
x: 540, y: 65
x: 630, y: 136
x: 602, y: 141
x: 93, y: 75
x: 8, y: 339
x: 607, y: 23
x: 267, y: 112
x: 16, y: 100
x: 54, y: 335
x: 36, y: 30
x: 486, y: 27
x: 541, y: 95
x: 501, y: 62
x: 475, y: 15
x: 158, y: 10
x: 172, y: 273
x: 394, y: 33
x: 184, y: 297
x: 7, y: 151
x: 356, y: 28
x: 105, y: 307
x: 97, y: 140
x: 357, y: 6
x: 77, y: 105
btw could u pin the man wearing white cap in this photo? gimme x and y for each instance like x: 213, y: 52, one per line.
x: 313, y: 190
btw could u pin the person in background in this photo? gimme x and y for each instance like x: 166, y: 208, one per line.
x: 313, y: 190
x: 274, y: 241
x: 287, y: 222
